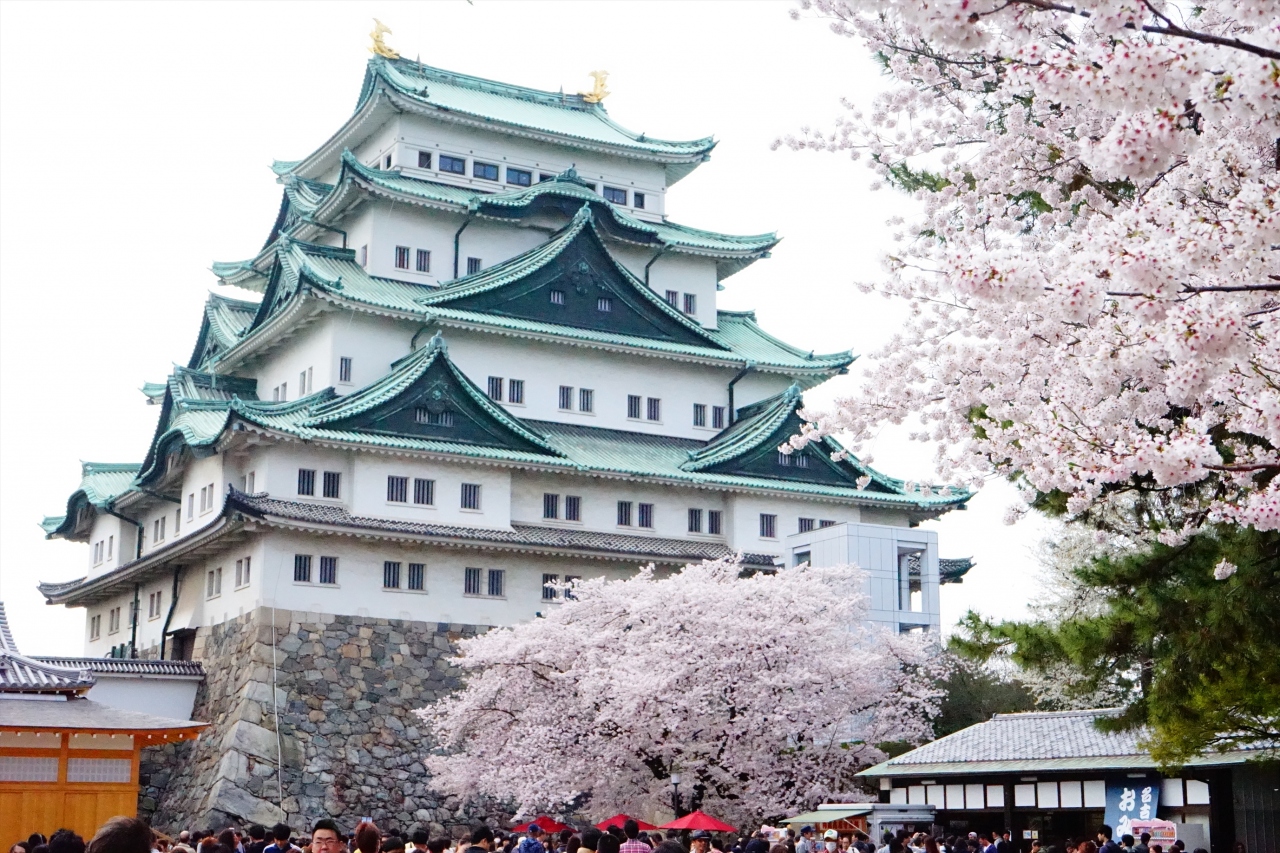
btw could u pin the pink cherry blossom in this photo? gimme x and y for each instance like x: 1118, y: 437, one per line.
x: 1095, y: 281
x: 769, y: 691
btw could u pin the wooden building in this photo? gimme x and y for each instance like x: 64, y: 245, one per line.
x: 67, y: 761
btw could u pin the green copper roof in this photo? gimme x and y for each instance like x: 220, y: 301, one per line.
x: 225, y: 322
x: 569, y: 118
x: 154, y: 391
x: 100, y: 483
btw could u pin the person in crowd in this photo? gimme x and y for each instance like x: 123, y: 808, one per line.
x: 862, y: 843
x: 671, y: 846
x: 367, y: 837
x: 633, y: 844
x: 119, y: 835
x: 699, y: 841
x: 789, y: 840
x: 257, y: 839
x: 1105, y: 844
x: 806, y: 843
x: 1087, y: 846
x: 532, y: 842
x: 829, y: 841
x: 428, y: 844
x: 609, y: 843
x: 590, y: 839
x: 325, y: 836
x: 573, y: 844
x: 1143, y: 844
x: 481, y: 839
x: 393, y: 844
x: 280, y: 839
x: 779, y: 847
x: 1157, y: 848
x: 35, y: 839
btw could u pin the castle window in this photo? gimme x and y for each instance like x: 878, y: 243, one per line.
x: 615, y: 195
x: 424, y: 261
x: 402, y: 257
x: 332, y: 486
x: 572, y: 508
x: 213, y: 583
x: 362, y: 256
x: 471, y: 583
x: 417, y: 576
x: 329, y: 570
x: 624, y: 513
x: 673, y: 298
x: 191, y: 505
x: 470, y: 496
x: 826, y: 523
x: 806, y: 524
x: 646, y: 515
x: 111, y: 540
x: 557, y: 297
x: 390, y: 575
x: 306, y: 481
x: 768, y: 525
x: 473, y: 266
x: 515, y: 391
x: 543, y: 176
x: 605, y: 304
x: 549, y: 591
x: 154, y: 605
x: 691, y: 303
x: 397, y: 490
x: 519, y: 177
x: 453, y: 165
x: 484, y: 171
x: 802, y: 459
x: 495, y: 388
x: 566, y: 398
x: 714, y: 522
x: 633, y: 406
x: 497, y: 582
x: 424, y: 159
x: 695, y: 521
x: 550, y: 506
x: 424, y: 492
x: 637, y: 200
x: 95, y: 627
x: 244, y: 568
x: 302, y: 568
x: 699, y: 414
x: 423, y: 415
x: 784, y: 459
x: 717, y: 417
x: 586, y: 400
x: 113, y: 619
x: 386, y: 162
x: 344, y: 369
x: 653, y: 409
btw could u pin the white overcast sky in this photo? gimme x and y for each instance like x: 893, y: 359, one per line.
x: 135, y: 140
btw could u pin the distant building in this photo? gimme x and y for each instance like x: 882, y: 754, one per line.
x: 1049, y: 775
x: 474, y: 359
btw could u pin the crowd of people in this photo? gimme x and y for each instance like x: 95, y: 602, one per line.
x: 129, y: 835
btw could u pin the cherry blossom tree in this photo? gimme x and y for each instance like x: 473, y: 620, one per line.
x: 1094, y: 276
x: 766, y: 693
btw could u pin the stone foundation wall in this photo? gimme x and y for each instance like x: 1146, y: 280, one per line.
x: 327, y: 732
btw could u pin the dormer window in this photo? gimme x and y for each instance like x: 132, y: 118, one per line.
x: 453, y: 165
x: 519, y: 177
x: 423, y: 415
x: 484, y: 171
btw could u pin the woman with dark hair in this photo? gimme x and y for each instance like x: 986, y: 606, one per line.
x: 121, y: 835
x: 367, y: 837
x: 608, y: 844
x: 573, y: 844
x: 930, y: 845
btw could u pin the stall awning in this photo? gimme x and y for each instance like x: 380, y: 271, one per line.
x: 829, y: 815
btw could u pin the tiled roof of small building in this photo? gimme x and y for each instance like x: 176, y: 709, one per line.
x: 21, y: 674
x: 128, y: 666
x: 1034, y: 735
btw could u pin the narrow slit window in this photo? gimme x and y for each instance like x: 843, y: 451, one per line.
x: 826, y: 522
x: 306, y: 481
x: 566, y: 398
x: 645, y: 515
x: 673, y: 298
x: 784, y: 459
x: 344, y: 369
x: 497, y: 583
x: 718, y: 417
x: 332, y: 487
x: 424, y: 492
x: 495, y: 388
x: 550, y: 505
x: 572, y: 508
x: 549, y: 584
x: 473, y: 266
x: 699, y: 414
x: 397, y: 489
x: 470, y: 496
x: 624, y: 513
x: 695, y: 521
x: 714, y: 522
x: 653, y: 410
x: 806, y: 524
x: 586, y: 400
x: 515, y: 391
x: 402, y: 257
x: 605, y: 304
x: 424, y: 261
x: 301, y: 569
x: 417, y: 576
x: 633, y: 406
x: 329, y: 570
x: 768, y: 526
x: 471, y: 582
x: 557, y: 297
x: 390, y: 575
x: 423, y: 415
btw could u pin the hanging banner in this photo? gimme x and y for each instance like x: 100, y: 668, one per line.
x: 1129, y: 800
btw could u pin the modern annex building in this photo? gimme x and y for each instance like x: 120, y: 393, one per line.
x: 472, y: 360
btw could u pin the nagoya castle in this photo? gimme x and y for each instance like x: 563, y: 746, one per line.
x: 473, y: 360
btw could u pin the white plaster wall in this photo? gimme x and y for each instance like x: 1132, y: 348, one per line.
x: 600, y: 504
x: 359, y: 588
x: 275, y: 468
x: 311, y: 348
x: 369, y: 496
x: 200, y: 473
x: 123, y: 543
x: 746, y: 510
x: 681, y: 273
x: 545, y: 367
x: 161, y: 697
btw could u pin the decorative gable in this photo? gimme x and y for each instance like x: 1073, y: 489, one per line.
x: 573, y: 281
x: 427, y: 397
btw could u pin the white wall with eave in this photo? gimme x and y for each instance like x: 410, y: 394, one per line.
x: 359, y: 589
x: 112, y: 542
x: 207, y: 474
x: 369, y: 496
x: 746, y: 509
x: 307, y: 357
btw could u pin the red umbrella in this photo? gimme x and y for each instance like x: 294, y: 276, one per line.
x: 619, y: 819
x: 547, y: 824
x: 698, y: 820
